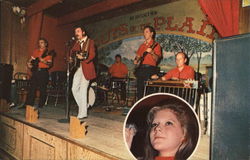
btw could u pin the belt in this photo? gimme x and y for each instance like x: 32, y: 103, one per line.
x: 146, y: 66
x: 42, y: 69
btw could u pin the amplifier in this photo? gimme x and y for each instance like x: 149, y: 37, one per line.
x: 6, y: 71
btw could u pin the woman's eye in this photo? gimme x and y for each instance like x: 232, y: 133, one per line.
x: 153, y: 125
x: 168, y: 123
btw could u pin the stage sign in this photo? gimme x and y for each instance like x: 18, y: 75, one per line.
x: 186, y: 29
x: 245, y: 3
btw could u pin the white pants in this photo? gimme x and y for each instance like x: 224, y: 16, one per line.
x: 80, y: 92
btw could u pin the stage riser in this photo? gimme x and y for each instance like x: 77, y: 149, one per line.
x: 22, y: 141
x: 11, y: 137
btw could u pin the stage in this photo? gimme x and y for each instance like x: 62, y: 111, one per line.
x: 49, y: 138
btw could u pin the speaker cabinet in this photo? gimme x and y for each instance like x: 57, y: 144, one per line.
x: 6, y: 71
x: 231, y: 88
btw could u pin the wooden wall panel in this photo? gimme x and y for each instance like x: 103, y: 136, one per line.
x: 244, y: 20
x: 77, y: 152
x: 11, y: 136
x: 39, y: 145
x: 24, y: 142
x: 13, y: 37
x: 41, y: 150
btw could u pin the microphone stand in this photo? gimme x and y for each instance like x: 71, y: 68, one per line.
x: 68, y: 46
x: 67, y: 111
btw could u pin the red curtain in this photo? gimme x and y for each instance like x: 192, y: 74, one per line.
x: 223, y: 14
x: 34, y: 31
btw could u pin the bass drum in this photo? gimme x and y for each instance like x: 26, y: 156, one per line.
x: 91, y: 96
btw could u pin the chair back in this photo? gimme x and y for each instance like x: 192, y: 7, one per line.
x: 58, y: 78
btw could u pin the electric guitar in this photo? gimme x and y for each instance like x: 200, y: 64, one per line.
x: 141, y: 59
x: 35, y: 61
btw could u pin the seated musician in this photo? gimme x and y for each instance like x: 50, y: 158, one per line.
x: 119, y: 72
x: 181, y: 72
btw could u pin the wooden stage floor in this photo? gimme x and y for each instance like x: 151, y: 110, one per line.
x: 104, y: 131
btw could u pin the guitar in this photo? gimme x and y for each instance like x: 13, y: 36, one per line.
x: 35, y: 61
x: 75, y: 61
x: 141, y: 59
x: 75, y: 64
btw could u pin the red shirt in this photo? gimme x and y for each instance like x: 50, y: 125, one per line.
x: 118, y: 70
x: 164, y: 158
x: 88, y: 67
x: 39, y: 53
x: 149, y: 58
x: 186, y: 73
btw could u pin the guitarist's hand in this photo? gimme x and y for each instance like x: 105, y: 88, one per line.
x: 175, y: 78
x: 42, y: 60
x: 79, y: 56
x: 136, y: 59
x: 45, y: 62
x: 163, y: 78
x: 149, y: 50
x: 154, y: 76
x: 29, y: 65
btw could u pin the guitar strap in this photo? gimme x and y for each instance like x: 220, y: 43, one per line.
x: 44, y: 53
x: 153, y: 47
x: 86, y: 45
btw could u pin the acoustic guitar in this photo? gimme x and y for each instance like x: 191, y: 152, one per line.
x: 75, y: 63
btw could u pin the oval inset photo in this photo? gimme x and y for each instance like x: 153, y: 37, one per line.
x: 161, y: 126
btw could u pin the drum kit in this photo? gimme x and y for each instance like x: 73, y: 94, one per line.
x: 98, y: 90
x: 105, y: 83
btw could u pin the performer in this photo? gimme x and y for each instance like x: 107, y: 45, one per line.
x: 39, y: 63
x: 181, y: 72
x: 146, y: 59
x: 119, y: 72
x: 85, y: 72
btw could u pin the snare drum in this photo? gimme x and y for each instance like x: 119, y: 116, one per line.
x: 116, y: 85
x: 91, y: 96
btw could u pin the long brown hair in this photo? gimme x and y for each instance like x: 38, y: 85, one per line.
x: 188, y: 123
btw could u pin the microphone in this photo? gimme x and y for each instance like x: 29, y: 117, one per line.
x: 70, y: 41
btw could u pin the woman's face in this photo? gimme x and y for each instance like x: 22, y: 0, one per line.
x: 166, y: 134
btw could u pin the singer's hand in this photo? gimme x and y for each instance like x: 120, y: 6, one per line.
x: 70, y: 59
x: 129, y: 135
x: 79, y: 56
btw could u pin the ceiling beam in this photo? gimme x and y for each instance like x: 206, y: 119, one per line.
x: 41, y: 5
x: 94, y: 9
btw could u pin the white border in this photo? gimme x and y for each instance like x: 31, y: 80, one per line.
x: 166, y: 94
